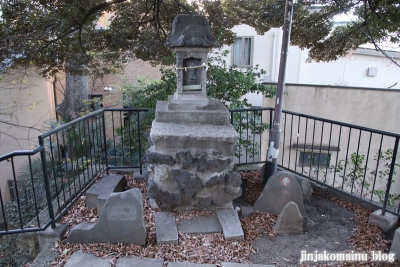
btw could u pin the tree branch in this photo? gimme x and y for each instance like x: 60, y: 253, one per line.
x: 20, y: 126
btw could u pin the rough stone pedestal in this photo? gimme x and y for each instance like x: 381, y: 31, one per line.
x: 190, y: 163
x: 385, y: 222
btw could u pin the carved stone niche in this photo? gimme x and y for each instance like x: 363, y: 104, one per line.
x: 192, y: 40
x: 191, y: 76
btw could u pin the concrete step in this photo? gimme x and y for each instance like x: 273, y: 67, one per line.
x: 200, y: 225
x: 229, y: 220
x: 166, y: 230
x: 83, y: 259
x: 231, y: 264
x: 189, y: 264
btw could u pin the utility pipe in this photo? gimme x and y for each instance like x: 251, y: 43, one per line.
x: 275, y: 132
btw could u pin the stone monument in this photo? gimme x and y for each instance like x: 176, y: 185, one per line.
x: 189, y: 163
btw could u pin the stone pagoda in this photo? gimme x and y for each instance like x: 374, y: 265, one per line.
x: 190, y: 162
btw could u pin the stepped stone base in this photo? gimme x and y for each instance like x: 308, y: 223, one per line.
x: 178, y: 137
x: 189, y: 165
x: 214, y: 113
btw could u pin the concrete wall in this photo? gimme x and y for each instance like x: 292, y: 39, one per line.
x: 34, y: 97
x: 372, y: 108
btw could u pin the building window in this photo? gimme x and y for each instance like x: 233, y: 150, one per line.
x: 312, y: 158
x: 242, y: 54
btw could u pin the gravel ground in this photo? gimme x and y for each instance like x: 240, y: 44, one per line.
x: 331, y: 233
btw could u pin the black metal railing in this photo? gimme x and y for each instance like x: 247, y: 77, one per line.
x: 69, y: 158
x: 358, y: 161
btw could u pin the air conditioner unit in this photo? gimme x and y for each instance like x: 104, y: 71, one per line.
x: 372, y: 72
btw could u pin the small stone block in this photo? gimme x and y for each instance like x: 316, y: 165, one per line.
x: 246, y: 211
x: 51, y: 235
x: 395, y: 247
x: 84, y: 259
x: 188, y: 264
x: 166, y: 230
x: 230, y: 223
x: 200, y: 225
x: 385, y: 222
x: 231, y: 264
x: 289, y: 220
x: 142, y: 262
x: 103, y: 188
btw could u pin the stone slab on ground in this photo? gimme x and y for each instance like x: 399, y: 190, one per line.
x: 121, y: 221
x: 395, y: 247
x: 231, y: 227
x: 100, y: 190
x: 289, y: 220
x: 200, y: 225
x: 166, y: 230
x: 84, y: 259
x: 231, y: 264
x: 189, y: 264
x: 280, y: 189
x: 385, y: 222
x: 139, y: 262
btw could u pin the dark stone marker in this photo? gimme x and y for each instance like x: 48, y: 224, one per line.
x: 289, y: 220
x: 280, y: 189
x: 121, y: 221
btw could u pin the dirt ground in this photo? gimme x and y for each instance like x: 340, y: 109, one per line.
x: 331, y: 233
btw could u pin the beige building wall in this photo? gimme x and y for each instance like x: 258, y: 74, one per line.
x: 31, y: 97
x: 373, y: 108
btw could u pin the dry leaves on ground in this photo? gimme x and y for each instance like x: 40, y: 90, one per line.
x: 210, y: 248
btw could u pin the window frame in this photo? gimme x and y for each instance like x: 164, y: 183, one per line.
x: 311, y: 159
x: 243, y: 52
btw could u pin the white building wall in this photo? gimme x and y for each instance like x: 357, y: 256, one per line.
x: 350, y: 70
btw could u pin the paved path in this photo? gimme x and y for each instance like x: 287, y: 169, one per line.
x: 81, y: 259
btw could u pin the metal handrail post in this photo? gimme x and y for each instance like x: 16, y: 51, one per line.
x: 105, y: 139
x: 46, y: 182
x: 389, y: 183
x: 140, y: 144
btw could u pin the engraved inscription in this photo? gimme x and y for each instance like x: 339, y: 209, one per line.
x: 121, y: 213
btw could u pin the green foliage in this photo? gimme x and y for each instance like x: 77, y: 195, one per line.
x: 8, y: 250
x: 229, y: 83
x: 385, y: 162
x: 53, y: 31
x: 357, y: 179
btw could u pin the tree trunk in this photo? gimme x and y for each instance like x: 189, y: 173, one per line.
x: 76, y: 92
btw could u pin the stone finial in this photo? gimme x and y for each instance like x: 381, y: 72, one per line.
x: 191, y: 31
